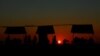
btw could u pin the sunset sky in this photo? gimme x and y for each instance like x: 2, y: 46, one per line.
x: 44, y: 12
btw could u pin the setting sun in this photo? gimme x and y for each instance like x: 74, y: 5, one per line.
x: 59, y: 41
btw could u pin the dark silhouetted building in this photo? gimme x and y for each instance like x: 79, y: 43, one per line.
x: 82, y: 29
x: 15, y: 30
x: 86, y: 29
x: 42, y: 32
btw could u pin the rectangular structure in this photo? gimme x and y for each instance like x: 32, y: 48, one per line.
x: 82, y: 29
x: 45, y: 29
x: 15, y: 30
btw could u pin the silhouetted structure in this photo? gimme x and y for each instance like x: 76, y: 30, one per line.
x: 82, y: 29
x: 15, y: 30
x: 43, y: 31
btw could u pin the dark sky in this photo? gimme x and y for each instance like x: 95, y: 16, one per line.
x: 20, y: 12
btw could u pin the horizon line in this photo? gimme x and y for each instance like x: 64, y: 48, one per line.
x: 44, y: 25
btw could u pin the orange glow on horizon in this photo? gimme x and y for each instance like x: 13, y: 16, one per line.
x: 61, y: 33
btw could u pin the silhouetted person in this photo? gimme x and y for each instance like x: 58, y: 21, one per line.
x: 1, y: 42
x: 15, y: 42
x: 35, y: 41
x: 7, y: 41
x: 54, y: 41
x: 65, y: 42
x: 90, y: 42
x: 77, y: 42
x: 27, y: 40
